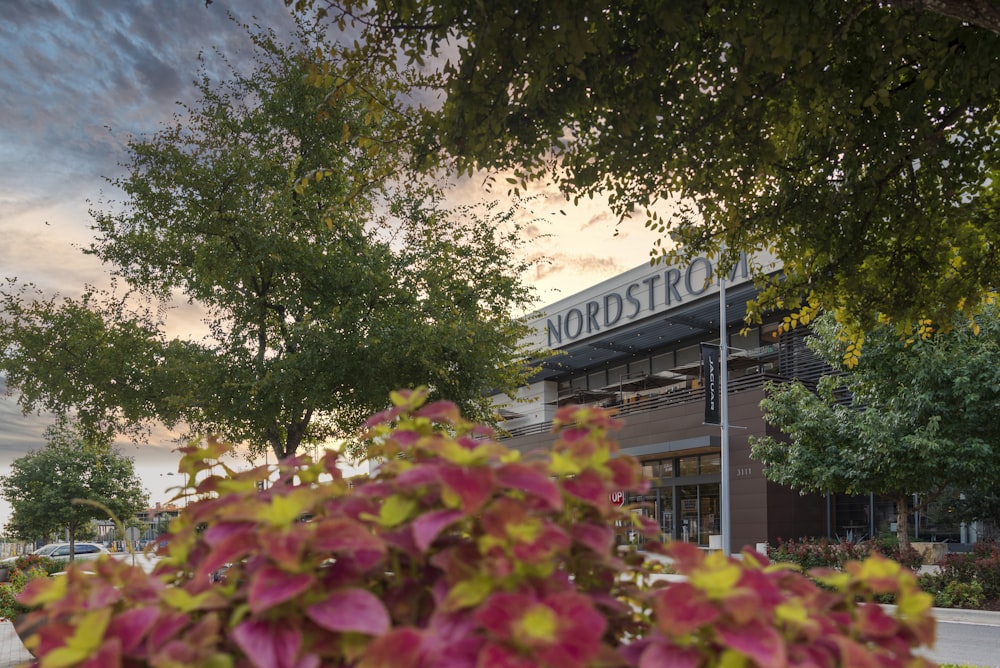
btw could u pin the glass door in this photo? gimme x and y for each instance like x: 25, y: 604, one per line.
x: 688, y: 496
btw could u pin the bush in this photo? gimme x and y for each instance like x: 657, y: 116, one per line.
x: 982, y: 566
x: 950, y: 593
x: 809, y: 553
x: 28, y: 562
x: 24, y: 569
x: 458, y: 553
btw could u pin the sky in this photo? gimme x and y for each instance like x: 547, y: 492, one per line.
x: 79, y: 77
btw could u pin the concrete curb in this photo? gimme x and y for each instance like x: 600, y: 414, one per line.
x: 960, y: 615
x: 985, y: 617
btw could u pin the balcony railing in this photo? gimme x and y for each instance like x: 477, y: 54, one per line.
x: 651, y: 402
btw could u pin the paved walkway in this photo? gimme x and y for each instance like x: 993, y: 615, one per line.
x: 12, y: 652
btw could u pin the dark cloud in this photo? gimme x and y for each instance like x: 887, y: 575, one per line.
x: 70, y: 69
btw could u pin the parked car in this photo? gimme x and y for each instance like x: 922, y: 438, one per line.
x: 82, y: 551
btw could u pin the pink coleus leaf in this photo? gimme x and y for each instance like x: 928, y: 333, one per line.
x: 429, y: 525
x: 348, y: 537
x: 441, y: 411
x: 269, y: 644
x: 285, y: 545
x: 854, y: 654
x: 271, y: 586
x: 498, y: 656
x: 132, y: 625
x: 229, y: 542
x: 401, y: 647
x: 472, y: 485
x: 659, y: 654
x: 679, y: 609
x: 355, y: 610
x: 599, y: 538
x: 531, y: 480
x: 875, y: 623
x: 589, y: 488
x: 757, y: 640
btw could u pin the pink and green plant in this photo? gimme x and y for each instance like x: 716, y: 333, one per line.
x: 458, y: 553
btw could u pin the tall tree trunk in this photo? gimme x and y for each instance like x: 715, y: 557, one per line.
x: 903, y: 523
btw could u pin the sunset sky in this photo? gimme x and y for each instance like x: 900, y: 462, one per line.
x: 78, y: 77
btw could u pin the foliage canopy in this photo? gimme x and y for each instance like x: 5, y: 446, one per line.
x: 42, y: 486
x: 914, y: 416
x: 856, y: 139
x: 326, y: 276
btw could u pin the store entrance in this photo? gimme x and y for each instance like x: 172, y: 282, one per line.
x: 699, y: 512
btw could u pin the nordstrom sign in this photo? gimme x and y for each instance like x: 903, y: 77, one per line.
x: 643, y: 293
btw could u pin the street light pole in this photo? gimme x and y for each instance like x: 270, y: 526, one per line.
x: 724, y: 413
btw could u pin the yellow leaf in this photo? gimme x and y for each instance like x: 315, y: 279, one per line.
x: 468, y: 593
x: 283, y: 511
x: 561, y: 465
x: 395, y: 511
x: 914, y: 604
x: 538, y: 623
x: 181, y: 600
x: 64, y: 657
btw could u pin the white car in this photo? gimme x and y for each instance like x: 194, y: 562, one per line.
x: 82, y: 551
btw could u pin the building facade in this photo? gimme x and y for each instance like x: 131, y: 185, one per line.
x: 633, y: 343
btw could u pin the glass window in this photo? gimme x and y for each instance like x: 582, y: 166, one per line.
x: 708, y: 503
x: 638, y: 367
x: 688, y: 466
x: 711, y: 463
x: 769, y: 338
x: 667, y: 468
x: 597, y: 380
x: 688, y: 355
x: 689, y: 513
x: 748, y: 341
x: 663, y: 362
x: 616, y: 374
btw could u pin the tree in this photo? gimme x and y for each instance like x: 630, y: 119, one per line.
x: 44, y: 487
x: 328, y: 278
x: 856, y: 139
x: 914, y: 416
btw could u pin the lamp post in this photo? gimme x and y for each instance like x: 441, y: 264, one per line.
x: 727, y: 546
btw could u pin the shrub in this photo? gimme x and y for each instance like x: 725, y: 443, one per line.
x: 24, y: 570
x: 458, y: 553
x: 809, y: 553
x: 28, y: 562
x: 982, y: 565
x: 950, y: 593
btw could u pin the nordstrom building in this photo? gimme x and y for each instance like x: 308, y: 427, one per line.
x: 634, y: 342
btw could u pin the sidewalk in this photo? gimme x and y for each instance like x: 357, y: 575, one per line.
x: 12, y: 652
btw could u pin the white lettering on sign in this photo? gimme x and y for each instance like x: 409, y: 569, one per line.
x: 617, y: 497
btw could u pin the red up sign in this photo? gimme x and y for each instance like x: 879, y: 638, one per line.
x: 617, y: 497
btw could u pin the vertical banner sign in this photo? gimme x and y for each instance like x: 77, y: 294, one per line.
x: 713, y: 386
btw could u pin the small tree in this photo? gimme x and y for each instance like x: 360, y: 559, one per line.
x: 915, y: 415
x: 44, y: 487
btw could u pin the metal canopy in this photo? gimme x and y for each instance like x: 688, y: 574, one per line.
x: 697, y: 321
